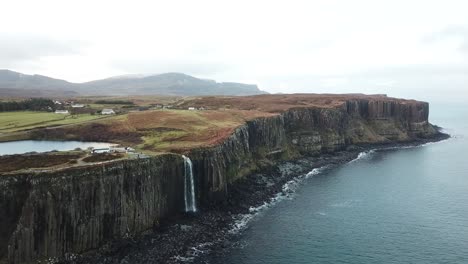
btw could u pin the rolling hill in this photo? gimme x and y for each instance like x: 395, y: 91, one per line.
x: 15, y: 84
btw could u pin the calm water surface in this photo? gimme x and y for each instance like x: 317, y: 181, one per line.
x: 24, y: 146
x: 395, y: 206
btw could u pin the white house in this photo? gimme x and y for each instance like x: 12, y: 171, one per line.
x: 118, y: 149
x: 101, y: 150
x: 191, y: 108
x: 107, y: 112
x: 77, y: 105
x: 63, y: 112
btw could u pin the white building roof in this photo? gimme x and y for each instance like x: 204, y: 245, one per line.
x: 107, y: 111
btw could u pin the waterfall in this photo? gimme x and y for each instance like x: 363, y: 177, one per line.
x: 189, y: 186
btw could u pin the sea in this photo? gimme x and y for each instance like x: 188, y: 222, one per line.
x: 401, y: 205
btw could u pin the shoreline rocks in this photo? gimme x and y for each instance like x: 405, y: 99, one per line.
x: 127, y: 211
x: 194, y: 238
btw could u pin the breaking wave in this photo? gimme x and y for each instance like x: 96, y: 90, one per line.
x: 363, y: 155
x: 287, y: 192
x: 290, y: 188
x: 194, y: 252
x: 368, y: 154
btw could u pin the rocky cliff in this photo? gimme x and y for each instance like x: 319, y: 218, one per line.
x: 305, y: 132
x: 52, y: 214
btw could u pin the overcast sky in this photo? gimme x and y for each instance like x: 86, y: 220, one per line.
x: 407, y: 48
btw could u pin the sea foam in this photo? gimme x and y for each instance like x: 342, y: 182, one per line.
x: 287, y: 192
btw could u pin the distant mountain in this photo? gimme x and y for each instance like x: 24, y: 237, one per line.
x: 166, y: 84
x: 35, y: 93
x: 16, y: 80
x: 161, y: 84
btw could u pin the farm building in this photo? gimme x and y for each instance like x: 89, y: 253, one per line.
x: 107, y: 112
x: 101, y: 150
x: 63, y: 112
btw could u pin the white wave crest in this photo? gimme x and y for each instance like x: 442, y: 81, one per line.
x: 363, y: 155
x: 287, y: 192
x: 414, y: 146
x: 194, y: 252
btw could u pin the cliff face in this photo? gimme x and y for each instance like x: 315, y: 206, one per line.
x: 70, y: 211
x: 306, y: 131
x: 51, y: 214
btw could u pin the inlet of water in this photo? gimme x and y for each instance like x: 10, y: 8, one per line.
x: 189, y: 186
x: 24, y: 146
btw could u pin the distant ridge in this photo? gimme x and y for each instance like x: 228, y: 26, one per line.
x: 18, y: 84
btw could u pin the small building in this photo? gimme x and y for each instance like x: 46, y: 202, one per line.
x: 191, y: 108
x: 130, y: 150
x: 63, y: 112
x: 77, y: 105
x: 107, y: 112
x: 57, y: 102
x: 118, y: 149
x: 100, y: 150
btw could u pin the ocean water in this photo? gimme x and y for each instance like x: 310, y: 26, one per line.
x: 391, y: 206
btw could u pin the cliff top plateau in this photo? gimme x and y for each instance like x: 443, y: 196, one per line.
x: 182, y: 124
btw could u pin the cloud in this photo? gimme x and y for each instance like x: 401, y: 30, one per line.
x: 190, y: 66
x: 423, y: 82
x: 16, y: 49
x: 458, y: 33
x: 464, y: 46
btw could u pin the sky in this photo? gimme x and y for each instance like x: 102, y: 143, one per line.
x: 414, y: 49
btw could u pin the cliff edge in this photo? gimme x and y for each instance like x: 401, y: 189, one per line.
x: 59, y: 213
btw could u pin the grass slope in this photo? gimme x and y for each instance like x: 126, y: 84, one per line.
x: 158, y: 130
x: 25, y: 120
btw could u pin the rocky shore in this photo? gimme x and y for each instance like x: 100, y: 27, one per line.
x: 129, y: 211
x: 195, y: 238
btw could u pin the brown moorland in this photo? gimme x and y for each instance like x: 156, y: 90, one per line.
x: 158, y: 130
x: 103, y: 157
x: 17, y: 162
x: 279, y: 102
x: 179, y: 130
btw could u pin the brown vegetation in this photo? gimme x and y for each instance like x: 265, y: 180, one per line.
x: 278, y: 103
x: 180, y: 130
x: 99, y: 132
x: 103, y: 157
x: 17, y: 162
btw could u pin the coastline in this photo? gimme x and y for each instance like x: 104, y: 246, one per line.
x: 193, y: 238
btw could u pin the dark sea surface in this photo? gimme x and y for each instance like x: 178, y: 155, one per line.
x: 390, y: 206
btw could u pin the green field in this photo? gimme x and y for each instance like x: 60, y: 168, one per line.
x: 24, y: 120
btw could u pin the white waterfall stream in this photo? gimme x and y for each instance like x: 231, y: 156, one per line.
x: 189, y: 186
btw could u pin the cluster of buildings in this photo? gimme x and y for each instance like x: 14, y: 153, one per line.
x: 68, y: 103
x: 112, y: 150
x: 194, y: 108
x: 66, y: 106
x: 71, y: 104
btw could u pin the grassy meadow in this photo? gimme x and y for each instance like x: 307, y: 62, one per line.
x: 179, y: 130
x: 25, y: 120
x: 152, y: 131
